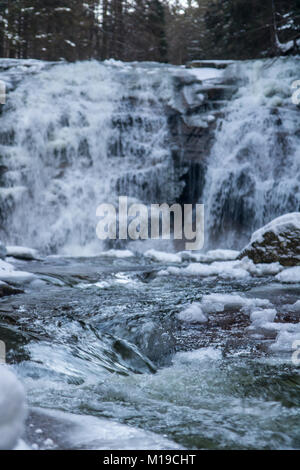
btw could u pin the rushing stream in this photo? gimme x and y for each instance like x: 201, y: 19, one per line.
x: 143, y: 349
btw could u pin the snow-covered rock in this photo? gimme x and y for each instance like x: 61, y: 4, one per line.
x: 278, y: 241
x: 213, y: 303
x: 192, y: 314
x: 9, y: 275
x: 12, y: 409
x: 289, y: 275
x: 117, y: 254
x: 163, y: 257
x: 22, y: 252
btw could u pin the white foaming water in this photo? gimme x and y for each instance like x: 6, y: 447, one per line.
x: 254, y: 168
x: 76, y: 135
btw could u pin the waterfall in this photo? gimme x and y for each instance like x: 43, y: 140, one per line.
x: 75, y: 135
x: 253, y: 172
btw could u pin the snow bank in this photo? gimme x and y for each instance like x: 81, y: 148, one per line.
x: 206, y: 73
x: 213, y: 303
x: 12, y: 409
x: 192, y: 314
x: 117, y: 254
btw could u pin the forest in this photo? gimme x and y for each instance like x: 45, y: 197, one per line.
x: 171, y: 31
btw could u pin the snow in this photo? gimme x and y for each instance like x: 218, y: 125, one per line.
x: 222, y: 269
x: 192, y: 314
x: 117, y: 254
x: 227, y: 270
x: 5, y: 267
x: 21, y: 445
x: 223, y: 255
x: 262, y: 316
x: 72, y: 44
x: 22, y: 252
x: 163, y: 257
x: 212, y: 255
x: 289, y: 275
x: 289, y: 334
x: 213, y: 303
x: 286, y: 222
x: 66, y: 9
x: 205, y: 73
x: 296, y: 307
x: 12, y: 409
x: 198, y: 312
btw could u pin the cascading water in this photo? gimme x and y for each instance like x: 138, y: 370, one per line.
x: 74, y: 136
x: 253, y: 170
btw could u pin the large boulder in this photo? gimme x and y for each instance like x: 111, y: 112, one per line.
x: 277, y: 241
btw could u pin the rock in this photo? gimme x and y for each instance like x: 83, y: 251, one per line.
x: 2, y: 251
x: 6, y: 289
x: 278, y: 241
